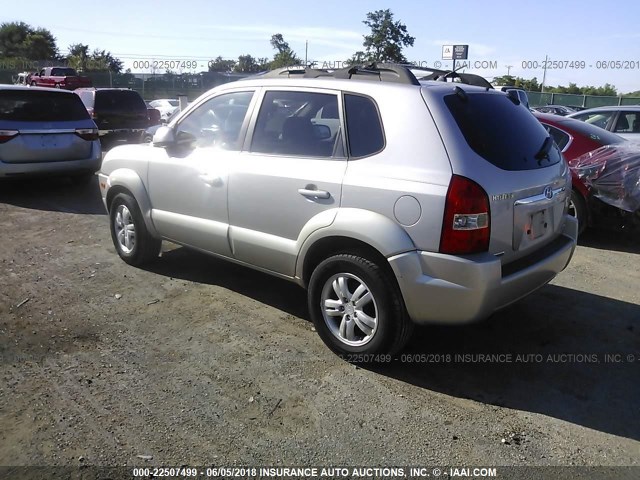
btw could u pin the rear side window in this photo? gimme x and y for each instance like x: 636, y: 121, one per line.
x: 119, y: 100
x: 503, y: 133
x: 364, y: 130
x: 561, y: 138
x: 40, y: 106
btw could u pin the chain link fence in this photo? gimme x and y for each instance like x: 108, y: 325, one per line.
x: 538, y: 99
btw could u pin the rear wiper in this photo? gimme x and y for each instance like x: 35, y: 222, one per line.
x: 544, y: 150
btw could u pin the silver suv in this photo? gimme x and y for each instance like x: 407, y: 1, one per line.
x: 391, y: 201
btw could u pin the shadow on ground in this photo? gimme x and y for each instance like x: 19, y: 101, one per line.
x: 55, y: 194
x: 574, y: 348
x: 609, y: 239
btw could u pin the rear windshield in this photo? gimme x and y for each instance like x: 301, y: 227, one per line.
x: 40, y: 106
x: 63, y: 72
x: 503, y: 133
x: 600, y: 135
x: 120, y: 100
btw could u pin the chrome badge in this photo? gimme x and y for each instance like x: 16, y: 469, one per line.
x: 548, y: 191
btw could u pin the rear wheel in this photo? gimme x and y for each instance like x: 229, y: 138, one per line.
x: 578, y: 209
x: 357, y: 308
x: 129, y: 233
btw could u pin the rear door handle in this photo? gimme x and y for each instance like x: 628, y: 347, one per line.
x: 313, y: 193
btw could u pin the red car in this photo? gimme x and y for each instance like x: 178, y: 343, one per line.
x: 575, y: 138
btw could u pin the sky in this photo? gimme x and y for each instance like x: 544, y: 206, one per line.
x: 584, y: 38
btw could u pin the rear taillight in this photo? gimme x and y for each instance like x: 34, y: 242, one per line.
x: 92, y: 113
x: 88, y: 134
x: 6, y: 135
x: 466, y: 227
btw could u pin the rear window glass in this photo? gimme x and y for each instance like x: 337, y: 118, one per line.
x: 40, y: 106
x: 561, y: 138
x: 364, y: 130
x: 120, y: 100
x: 598, y: 134
x: 63, y: 72
x: 503, y: 133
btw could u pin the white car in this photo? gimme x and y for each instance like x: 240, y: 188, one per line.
x: 166, y: 106
x: 621, y: 120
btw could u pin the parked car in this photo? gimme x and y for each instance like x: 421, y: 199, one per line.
x: 166, y: 106
x: 623, y: 120
x: 121, y: 114
x: 575, y: 138
x: 59, y: 77
x: 555, y: 110
x: 392, y: 201
x: 46, y: 131
x: 612, y: 174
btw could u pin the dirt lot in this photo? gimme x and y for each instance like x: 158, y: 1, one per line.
x: 196, y: 361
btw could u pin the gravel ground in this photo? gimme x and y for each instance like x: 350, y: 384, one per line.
x: 199, y: 362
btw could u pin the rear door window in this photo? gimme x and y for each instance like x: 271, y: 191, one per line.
x: 599, y: 119
x: 628, y: 122
x: 41, y: 106
x: 503, y: 133
x: 297, y: 123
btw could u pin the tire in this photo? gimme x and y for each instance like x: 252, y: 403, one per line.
x: 33, y: 84
x: 578, y: 209
x: 57, y: 85
x: 356, y: 328
x: 129, y: 233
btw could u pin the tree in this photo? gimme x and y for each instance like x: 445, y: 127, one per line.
x: 221, y: 65
x: 20, y: 40
x: 248, y: 64
x: 284, y: 57
x: 78, y: 56
x: 103, y: 60
x: 386, y: 40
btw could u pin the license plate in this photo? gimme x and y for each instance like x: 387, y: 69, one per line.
x: 538, y: 225
x: 48, y: 141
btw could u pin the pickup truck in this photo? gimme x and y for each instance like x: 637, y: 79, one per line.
x: 59, y: 77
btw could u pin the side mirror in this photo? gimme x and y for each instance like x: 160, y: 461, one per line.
x: 164, y: 137
x: 321, y: 132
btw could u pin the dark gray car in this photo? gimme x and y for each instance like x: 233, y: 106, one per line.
x: 46, y: 131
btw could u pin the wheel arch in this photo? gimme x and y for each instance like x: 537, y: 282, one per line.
x: 355, y: 231
x: 128, y: 182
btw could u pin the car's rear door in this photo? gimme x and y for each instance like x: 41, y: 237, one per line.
x: 289, y: 177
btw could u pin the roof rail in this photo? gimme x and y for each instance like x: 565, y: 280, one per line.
x: 445, y: 75
x: 296, y: 71
x: 381, y: 72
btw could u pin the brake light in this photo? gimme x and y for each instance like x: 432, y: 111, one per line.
x: 89, y: 134
x: 6, y: 135
x: 466, y: 227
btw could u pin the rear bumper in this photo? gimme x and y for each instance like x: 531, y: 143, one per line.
x: 449, y: 289
x: 87, y: 165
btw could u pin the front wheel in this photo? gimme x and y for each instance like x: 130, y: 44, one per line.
x: 356, y: 308
x: 129, y: 233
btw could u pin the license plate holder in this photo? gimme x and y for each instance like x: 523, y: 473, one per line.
x: 538, y: 225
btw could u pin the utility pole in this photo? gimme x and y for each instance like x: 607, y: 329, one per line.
x: 509, y: 67
x: 544, y: 73
x: 306, y: 51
